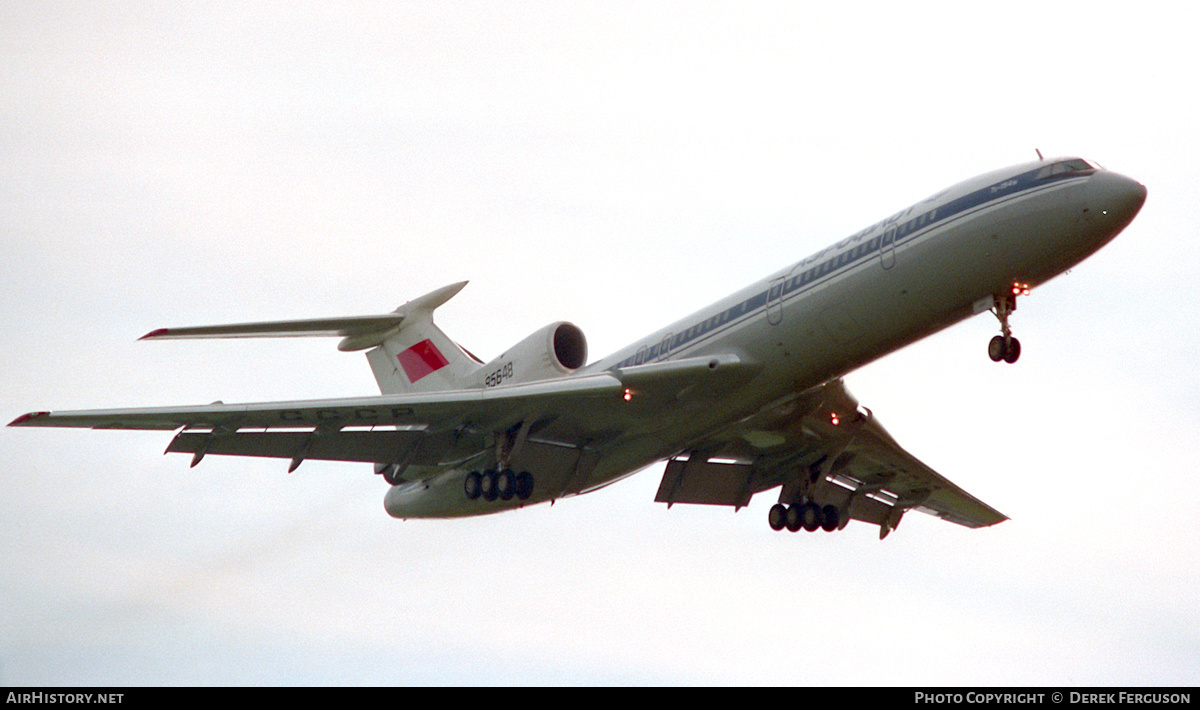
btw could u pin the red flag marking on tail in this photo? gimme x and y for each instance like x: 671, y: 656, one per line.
x: 421, y: 359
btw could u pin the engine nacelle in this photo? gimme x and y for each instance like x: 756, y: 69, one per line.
x: 556, y: 350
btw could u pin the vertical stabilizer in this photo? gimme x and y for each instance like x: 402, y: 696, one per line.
x: 417, y: 356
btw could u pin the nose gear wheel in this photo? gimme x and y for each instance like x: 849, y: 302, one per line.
x: 1008, y: 351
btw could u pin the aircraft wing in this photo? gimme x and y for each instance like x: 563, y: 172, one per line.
x: 825, y: 445
x: 355, y: 429
x: 448, y: 424
x: 820, y: 439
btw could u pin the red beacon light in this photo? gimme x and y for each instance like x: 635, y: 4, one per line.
x: 1020, y: 289
x: 833, y: 418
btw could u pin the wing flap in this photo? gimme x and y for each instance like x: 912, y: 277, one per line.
x: 365, y: 446
x: 706, y: 483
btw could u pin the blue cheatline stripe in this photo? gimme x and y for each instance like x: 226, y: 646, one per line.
x: 894, y: 232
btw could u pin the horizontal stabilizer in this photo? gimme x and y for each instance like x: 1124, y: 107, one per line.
x: 357, y: 332
x: 345, y: 327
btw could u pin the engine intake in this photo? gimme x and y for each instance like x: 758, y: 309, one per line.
x: 556, y: 350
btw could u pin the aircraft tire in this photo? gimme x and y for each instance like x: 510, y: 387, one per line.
x: 777, y: 517
x: 792, y: 519
x: 488, y: 489
x: 810, y: 516
x: 524, y: 485
x: 506, y: 484
x: 1013, y: 351
x: 473, y: 485
x: 996, y: 348
x: 830, y: 518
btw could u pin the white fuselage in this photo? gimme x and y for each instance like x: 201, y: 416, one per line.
x: 896, y: 281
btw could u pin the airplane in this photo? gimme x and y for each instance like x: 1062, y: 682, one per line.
x: 742, y: 397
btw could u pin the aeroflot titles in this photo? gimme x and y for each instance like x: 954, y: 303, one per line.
x: 893, y: 231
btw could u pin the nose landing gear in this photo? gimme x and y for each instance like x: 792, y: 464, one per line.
x: 1004, y: 346
x: 1006, y: 349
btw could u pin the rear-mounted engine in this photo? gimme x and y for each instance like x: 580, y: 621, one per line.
x: 556, y: 350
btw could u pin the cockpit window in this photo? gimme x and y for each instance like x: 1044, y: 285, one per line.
x: 1066, y: 168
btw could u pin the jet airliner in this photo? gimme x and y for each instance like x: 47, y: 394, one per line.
x: 742, y: 397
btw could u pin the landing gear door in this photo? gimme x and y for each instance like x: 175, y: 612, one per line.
x: 887, y: 249
x: 775, y: 301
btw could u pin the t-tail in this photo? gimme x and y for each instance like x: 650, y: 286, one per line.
x: 406, y: 350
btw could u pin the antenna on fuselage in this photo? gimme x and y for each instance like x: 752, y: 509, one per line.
x: 1039, y: 154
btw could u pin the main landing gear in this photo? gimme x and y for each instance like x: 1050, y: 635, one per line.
x: 504, y: 484
x: 1004, y: 346
x: 807, y: 515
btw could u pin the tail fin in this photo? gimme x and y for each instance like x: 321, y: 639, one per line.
x: 407, y: 352
x: 417, y: 356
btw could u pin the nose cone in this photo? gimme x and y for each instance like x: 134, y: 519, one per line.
x: 1118, y: 197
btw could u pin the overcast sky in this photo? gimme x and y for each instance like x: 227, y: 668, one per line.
x: 618, y: 165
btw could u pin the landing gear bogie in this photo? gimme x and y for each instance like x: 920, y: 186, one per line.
x: 498, y: 485
x: 804, y: 516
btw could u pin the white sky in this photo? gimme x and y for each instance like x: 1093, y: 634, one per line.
x: 618, y: 165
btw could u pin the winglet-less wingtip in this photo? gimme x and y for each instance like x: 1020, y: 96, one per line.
x: 24, y: 419
x: 433, y: 299
x: 357, y: 332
